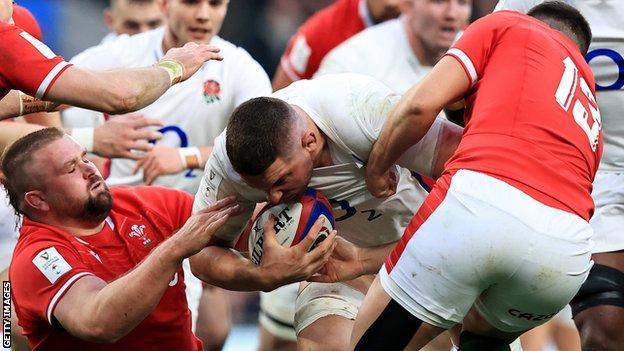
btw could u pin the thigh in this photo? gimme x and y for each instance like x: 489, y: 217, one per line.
x: 329, y: 333
x: 608, y: 218
x: 319, y: 300
x: 277, y: 313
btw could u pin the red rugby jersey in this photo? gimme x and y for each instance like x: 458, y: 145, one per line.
x: 531, y: 118
x: 47, y: 261
x: 318, y: 35
x: 26, y: 63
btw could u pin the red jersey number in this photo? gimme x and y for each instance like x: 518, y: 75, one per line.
x: 566, y: 96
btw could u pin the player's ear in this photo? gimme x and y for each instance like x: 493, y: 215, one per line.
x: 309, y: 141
x: 108, y: 20
x: 36, y: 200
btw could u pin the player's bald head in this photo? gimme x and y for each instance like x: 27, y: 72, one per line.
x: 259, y: 131
x: 566, y: 19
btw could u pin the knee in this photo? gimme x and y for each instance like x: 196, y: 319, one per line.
x: 600, y: 328
x: 213, y: 336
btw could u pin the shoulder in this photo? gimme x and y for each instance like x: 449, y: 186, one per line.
x: 134, y: 198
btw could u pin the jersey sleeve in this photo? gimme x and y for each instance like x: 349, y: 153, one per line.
x: 473, y: 48
x: 28, y: 64
x: 303, y: 53
x: 252, y: 81
x: 216, y: 185
x: 41, y: 273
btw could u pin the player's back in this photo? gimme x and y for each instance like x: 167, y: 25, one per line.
x: 532, y: 119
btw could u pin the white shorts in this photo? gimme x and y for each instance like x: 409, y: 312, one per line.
x: 608, y: 219
x: 277, y: 311
x: 488, y: 244
x: 318, y: 300
x: 194, y: 289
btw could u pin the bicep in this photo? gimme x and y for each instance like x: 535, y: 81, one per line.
x: 447, y: 83
x: 70, y: 310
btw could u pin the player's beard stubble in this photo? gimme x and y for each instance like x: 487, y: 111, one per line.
x: 97, y: 207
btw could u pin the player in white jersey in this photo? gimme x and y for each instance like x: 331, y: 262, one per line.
x: 131, y: 17
x: 400, y: 52
x: 194, y: 113
x: 598, y: 309
x: 328, y: 126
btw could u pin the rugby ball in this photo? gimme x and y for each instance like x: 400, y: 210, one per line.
x: 292, y: 222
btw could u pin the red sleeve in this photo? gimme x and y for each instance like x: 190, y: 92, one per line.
x: 473, y: 49
x: 297, y: 59
x: 26, y: 63
x: 41, y: 272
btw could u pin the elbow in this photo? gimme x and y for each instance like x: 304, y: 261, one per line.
x: 200, y: 269
x: 121, y: 99
x: 102, y: 335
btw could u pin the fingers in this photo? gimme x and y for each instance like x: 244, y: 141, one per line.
x: 219, y: 205
x: 312, y: 234
x: 141, y: 146
x: 147, y: 134
x: 139, y: 121
x: 270, y: 237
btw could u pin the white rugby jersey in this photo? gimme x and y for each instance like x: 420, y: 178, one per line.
x: 8, y: 230
x: 381, y: 51
x: 350, y: 110
x: 194, y: 111
x: 606, y: 58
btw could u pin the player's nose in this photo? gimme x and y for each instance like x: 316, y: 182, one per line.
x: 275, y: 196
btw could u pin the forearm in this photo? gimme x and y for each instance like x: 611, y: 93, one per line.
x: 113, y: 92
x: 9, y: 132
x: 372, y: 258
x: 228, y: 269
x: 122, y: 304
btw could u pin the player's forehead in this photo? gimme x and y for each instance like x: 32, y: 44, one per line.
x: 61, y: 150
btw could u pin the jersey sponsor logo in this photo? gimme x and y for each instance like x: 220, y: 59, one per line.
x: 530, y: 316
x: 212, y: 89
x: 138, y: 231
x: 617, y: 58
x: 41, y: 47
x: 51, y: 264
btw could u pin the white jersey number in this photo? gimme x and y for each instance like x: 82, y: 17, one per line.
x: 565, y: 96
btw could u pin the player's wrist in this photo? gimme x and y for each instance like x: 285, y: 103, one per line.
x: 29, y: 104
x: 191, y: 157
x: 174, y: 69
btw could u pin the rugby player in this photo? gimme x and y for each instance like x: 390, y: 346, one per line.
x: 131, y: 17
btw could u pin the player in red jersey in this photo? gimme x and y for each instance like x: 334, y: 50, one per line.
x: 93, y: 265
x: 324, y: 31
x: 29, y: 65
x: 503, y: 242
